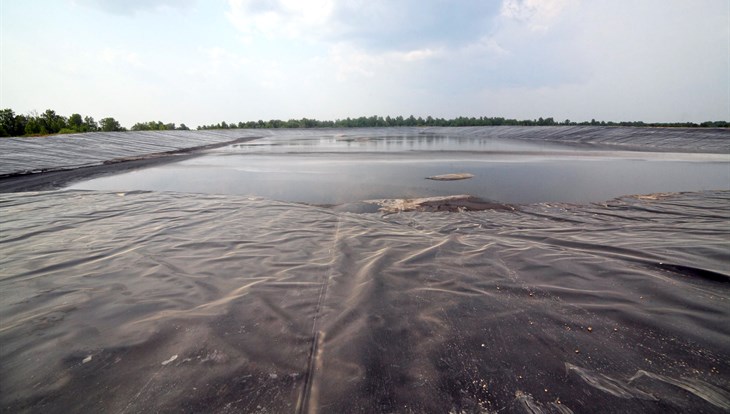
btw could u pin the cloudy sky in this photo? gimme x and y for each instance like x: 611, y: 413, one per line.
x: 206, y: 61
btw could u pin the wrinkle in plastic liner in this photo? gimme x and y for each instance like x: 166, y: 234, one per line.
x: 138, y: 302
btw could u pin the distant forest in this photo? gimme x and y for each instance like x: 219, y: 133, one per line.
x: 49, y: 122
x: 399, y: 121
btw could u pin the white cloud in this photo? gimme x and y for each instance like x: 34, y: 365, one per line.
x: 280, y: 18
x: 120, y: 56
x: 131, y: 7
x: 336, y: 58
x: 485, y: 46
x: 536, y: 14
x: 352, y: 62
x: 375, y: 25
x: 416, y: 55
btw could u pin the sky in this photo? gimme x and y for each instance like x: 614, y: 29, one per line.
x: 206, y: 61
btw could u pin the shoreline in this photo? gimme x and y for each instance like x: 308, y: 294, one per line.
x: 57, y: 179
x: 49, y: 166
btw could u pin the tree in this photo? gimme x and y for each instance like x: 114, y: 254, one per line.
x: 90, y: 124
x: 7, y: 123
x: 76, y: 122
x: 51, y: 122
x: 34, y: 127
x: 151, y: 126
x: 110, y: 124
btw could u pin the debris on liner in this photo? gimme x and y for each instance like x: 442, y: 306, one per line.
x: 451, y: 177
x: 454, y: 203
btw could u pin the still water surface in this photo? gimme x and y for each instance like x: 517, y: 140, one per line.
x: 345, y: 169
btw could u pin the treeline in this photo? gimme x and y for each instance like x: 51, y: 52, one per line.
x: 49, y: 122
x: 157, y: 126
x: 411, y: 121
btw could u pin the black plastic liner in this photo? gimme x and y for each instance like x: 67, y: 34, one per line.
x: 154, y: 302
x: 63, y: 152
x: 698, y: 140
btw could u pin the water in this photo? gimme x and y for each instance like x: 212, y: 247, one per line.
x: 337, y: 170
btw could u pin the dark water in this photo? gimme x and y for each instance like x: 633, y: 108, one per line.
x: 164, y: 302
x: 337, y: 170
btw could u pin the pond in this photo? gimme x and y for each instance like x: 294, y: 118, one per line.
x: 338, y: 169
